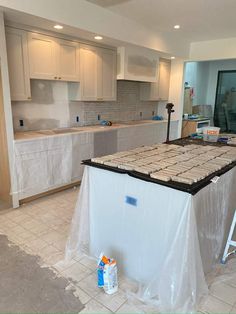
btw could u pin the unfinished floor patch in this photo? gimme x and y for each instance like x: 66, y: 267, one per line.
x: 25, y: 287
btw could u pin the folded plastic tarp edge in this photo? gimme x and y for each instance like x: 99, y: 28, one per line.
x: 78, y: 240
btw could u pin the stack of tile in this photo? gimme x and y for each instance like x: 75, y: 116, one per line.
x: 186, y: 164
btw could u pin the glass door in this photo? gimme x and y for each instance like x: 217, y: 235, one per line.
x: 225, y: 104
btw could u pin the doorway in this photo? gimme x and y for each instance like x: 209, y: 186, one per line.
x: 225, y: 103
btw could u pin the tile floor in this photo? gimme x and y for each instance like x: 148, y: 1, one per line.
x: 41, y: 228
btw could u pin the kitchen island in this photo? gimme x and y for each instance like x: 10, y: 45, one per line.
x: 49, y: 159
x: 164, y: 238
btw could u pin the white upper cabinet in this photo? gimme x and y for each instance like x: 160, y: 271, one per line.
x: 137, y: 64
x: 89, y: 72
x: 107, y: 62
x: 97, y: 75
x: 164, y: 79
x: 39, y: 56
x: 42, y: 56
x: 18, y: 68
x: 53, y: 59
x: 68, y: 60
x: 158, y: 91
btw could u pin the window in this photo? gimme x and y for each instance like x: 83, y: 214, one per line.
x: 225, y: 103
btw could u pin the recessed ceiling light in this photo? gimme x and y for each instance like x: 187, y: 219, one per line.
x: 172, y: 58
x: 98, y: 37
x: 177, y: 27
x: 58, y: 26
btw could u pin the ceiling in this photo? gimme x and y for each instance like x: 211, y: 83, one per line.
x: 26, y: 21
x: 199, y: 19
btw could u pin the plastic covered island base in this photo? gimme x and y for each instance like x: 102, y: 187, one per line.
x: 165, y: 239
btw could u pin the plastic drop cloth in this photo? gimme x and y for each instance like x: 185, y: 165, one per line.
x: 167, y: 241
x: 48, y: 162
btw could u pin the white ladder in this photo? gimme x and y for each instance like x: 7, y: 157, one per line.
x: 230, y: 242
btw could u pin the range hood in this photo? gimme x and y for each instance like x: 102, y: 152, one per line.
x: 137, y: 64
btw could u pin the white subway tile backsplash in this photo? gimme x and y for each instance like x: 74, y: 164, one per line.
x: 50, y: 107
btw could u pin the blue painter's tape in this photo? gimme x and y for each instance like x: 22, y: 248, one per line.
x: 131, y: 200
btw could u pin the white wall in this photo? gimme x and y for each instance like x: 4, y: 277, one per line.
x: 190, y: 73
x: 213, y: 49
x: 176, y: 90
x: 50, y: 107
x: 197, y: 74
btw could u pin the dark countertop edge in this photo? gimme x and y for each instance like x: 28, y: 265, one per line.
x: 191, y: 189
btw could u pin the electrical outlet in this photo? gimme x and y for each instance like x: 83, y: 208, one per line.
x: 99, y: 117
x: 21, y: 122
x: 77, y: 119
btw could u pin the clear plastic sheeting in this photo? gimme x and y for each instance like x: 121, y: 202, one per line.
x: 41, y: 164
x: 45, y: 163
x: 166, y: 240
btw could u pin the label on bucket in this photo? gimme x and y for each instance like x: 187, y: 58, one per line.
x: 212, y: 132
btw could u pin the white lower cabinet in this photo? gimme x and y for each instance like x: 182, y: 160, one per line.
x: 59, y: 156
x: 42, y: 164
x: 31, y: 174
x: 31, y: 170
x: 47, y: 163
x: 82, y: 149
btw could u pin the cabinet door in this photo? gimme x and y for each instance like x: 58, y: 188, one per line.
x: 107, y: 74
x: 149, y: 91
x: 32, y: 174
x: 17, y: 54
x: 164, y: 79
x: 42, y: 57
x: 188, y: 128
x: 68, y: 60
x: 89, y: 72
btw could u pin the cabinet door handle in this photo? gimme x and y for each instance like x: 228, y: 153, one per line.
x: 100, y: 98
x: 59, y: 78
x: 29, y: 98
x: 55, y: 77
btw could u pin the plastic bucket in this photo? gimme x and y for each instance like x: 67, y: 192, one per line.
x: 211, y: 133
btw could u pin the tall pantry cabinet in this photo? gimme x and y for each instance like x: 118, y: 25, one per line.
x: 17, y: 54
